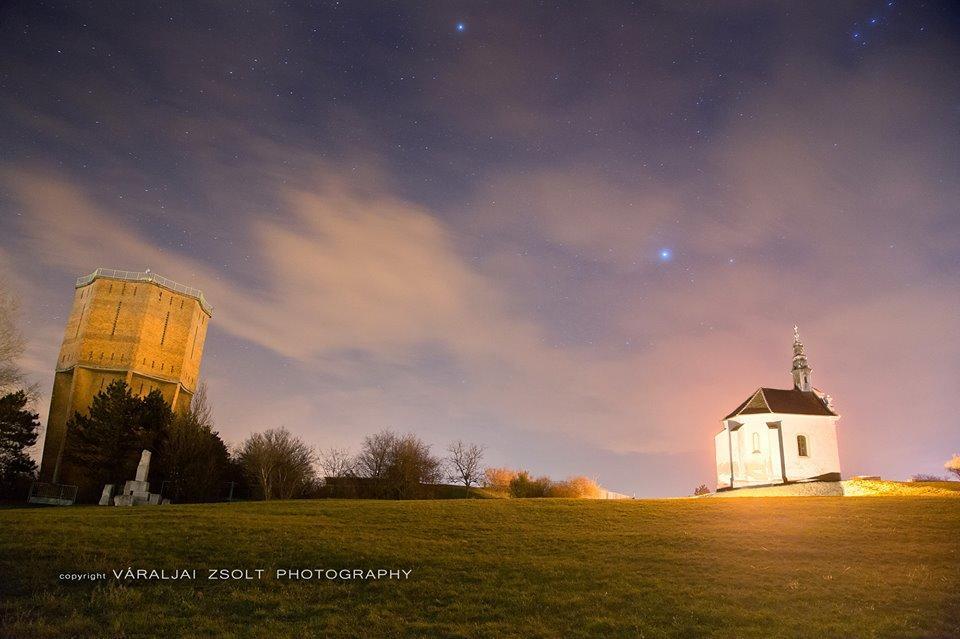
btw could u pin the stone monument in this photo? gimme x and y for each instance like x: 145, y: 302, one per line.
x: 136, y: 491
x: 107, y: 497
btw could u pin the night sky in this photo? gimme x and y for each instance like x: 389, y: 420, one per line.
x: 578, y: 233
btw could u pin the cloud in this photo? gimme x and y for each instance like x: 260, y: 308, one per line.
x: 366, y: 293
x: 471, y: 250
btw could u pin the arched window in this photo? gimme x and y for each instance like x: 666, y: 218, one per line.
x: 756, y: 442
x: 802, y: 445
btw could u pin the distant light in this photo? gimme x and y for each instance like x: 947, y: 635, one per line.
x: 461, y: 26
x: 665, y: 255
x: 856, y: 35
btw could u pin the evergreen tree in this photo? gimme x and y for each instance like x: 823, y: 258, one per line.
x: 18, y: 431
x: 153, y: 421
x: 105, y: 444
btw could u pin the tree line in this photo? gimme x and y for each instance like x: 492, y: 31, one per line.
x: 192, y: 463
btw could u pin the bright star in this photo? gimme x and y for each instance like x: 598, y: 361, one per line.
x: 665, y: 255
x: 461, y: 27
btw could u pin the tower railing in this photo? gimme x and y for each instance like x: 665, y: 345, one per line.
x: 147, y: 276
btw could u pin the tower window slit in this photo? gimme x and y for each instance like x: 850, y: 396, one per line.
x: 163, y: 336
x: 116, y: 316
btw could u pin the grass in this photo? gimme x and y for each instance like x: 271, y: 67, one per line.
x: 765, y: 567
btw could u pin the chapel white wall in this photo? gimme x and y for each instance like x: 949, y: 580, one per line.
x: 763, y: 467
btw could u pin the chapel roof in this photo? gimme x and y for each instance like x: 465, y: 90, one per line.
x: 777, y: 400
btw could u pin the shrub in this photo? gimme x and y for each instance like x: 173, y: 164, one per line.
x: 523, y: 485
x: 926, y: 477
x: 575, y: 488
x: 702, y: 489
x: 499, y: 478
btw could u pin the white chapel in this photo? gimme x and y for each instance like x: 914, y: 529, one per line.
x: 780, y: 436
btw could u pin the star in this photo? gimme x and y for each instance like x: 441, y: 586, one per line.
x: 665, y: 254
x: 461, y: 26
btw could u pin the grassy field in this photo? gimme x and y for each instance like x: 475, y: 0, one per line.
x: 765, y: 567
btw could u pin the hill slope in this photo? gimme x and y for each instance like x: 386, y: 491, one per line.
x: 851, y: 488
x: 525, y: 568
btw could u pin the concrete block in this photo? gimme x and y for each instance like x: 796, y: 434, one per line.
x: 123, y: 500
x: 133, y: 486
x: 107, y: 497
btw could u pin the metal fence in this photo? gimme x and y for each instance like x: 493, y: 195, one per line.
x: 146, y: 276
x: 52, y: 494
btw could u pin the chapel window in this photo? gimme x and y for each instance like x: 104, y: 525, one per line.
x: 802, y: 445
x: 756, y: 442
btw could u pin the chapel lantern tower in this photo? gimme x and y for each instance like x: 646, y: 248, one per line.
x: 801, y: 369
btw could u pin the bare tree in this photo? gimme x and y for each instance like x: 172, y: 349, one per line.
x: 374, y: 458
x: 411, y: 466
x: 12, y: 344
x: 336, y: 462
x: 399, y: 465
x: 279, y: 463
x: 465, y: 463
